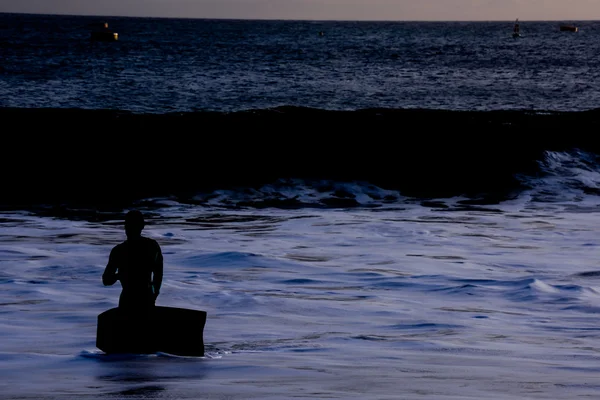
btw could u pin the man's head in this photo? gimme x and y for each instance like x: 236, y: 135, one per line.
x: 134, y: 223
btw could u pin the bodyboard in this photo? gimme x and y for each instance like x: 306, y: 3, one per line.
x: 177, y: 331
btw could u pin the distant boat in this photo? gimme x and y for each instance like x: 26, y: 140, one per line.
x: 101, y: 33
x: 516, y: 29
x: 569, y: 28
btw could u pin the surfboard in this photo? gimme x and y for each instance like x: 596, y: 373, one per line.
x: 172, y: 330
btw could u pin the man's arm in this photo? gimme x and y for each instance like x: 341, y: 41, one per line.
x: 157, y: 271
x: 110, y: 276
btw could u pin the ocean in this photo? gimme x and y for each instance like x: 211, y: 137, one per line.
x: 365, y: 210
x: 180, y: 65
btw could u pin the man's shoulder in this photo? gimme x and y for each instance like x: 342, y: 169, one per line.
x: 118, y: 250
x: 120, y: 246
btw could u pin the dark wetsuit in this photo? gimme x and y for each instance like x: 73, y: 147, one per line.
x: 138, y: 264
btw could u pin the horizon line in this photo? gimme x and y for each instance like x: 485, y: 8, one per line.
x: 296, y: 19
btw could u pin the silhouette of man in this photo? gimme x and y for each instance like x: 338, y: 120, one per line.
x: 138, y: 264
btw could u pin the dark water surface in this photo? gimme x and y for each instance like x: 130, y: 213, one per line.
x: 162, y: 65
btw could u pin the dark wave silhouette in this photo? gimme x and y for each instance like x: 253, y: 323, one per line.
x: 103, y: 157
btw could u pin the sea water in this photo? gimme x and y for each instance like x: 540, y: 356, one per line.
x: 173, y: 65
x: 379, y: 296
x: 401, y: 300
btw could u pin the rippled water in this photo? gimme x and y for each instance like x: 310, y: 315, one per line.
x: 406, y: 300
x: 162, y: 65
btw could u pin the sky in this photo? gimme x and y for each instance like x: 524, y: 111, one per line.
x: 391, y: 10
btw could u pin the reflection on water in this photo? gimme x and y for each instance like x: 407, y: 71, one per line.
x: 144, y: 376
